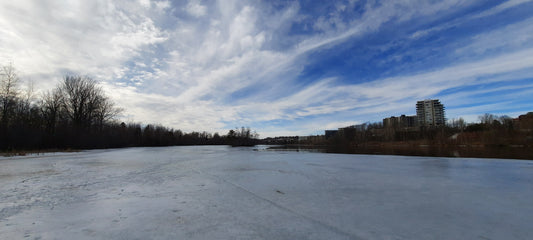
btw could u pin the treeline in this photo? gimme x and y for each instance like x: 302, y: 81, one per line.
x: 492, y: 130
x: 77, y: 114
x: 498, y: 131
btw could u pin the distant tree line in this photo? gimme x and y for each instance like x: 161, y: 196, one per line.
x: 77, y: 114
x: 492, y: 130
x: 242, y: 137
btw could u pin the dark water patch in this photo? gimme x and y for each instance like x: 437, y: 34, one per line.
x: 503, y: 152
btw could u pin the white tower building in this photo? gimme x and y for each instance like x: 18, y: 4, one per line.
x: 430, y: 113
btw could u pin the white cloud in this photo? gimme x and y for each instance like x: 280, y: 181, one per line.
x: 376, y: 97
x: 508, y: 38
x: 145, y: 3
x: 238, y: 65
x: 195, y: 8
x: 86, y: 37
x: 502, y: 7
x: 162, y: 5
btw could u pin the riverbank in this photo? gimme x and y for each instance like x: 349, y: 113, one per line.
x: 13, y: 153
x: 416, y: 149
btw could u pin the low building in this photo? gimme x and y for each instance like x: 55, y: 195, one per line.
x: 400, y: 122
x: 330, y: 133
x: 524, y: 122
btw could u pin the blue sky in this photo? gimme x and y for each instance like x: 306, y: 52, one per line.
x: 279, y: 67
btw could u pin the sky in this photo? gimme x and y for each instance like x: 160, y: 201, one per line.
x: 279, y: 67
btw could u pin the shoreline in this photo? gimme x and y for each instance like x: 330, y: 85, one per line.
x: 521, y: 152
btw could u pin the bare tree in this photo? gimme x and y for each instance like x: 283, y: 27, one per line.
x: 506, y: 121
x: 85, y: 103
x: 51, y: 109
x: 106, y: 112
x: 487, y: 118
x: 8, y: 92
x: 458, y: 123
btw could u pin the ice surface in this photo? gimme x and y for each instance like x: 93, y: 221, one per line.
x: 219, y: 192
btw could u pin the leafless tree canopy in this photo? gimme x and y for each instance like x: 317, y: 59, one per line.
x: 8, y: 93
x: 51, y: 109
x: 85, y: 103
x: 78, y: 114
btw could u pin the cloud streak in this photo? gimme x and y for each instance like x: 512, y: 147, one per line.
x: 291, y: 67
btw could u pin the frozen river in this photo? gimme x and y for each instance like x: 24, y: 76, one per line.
x: 219, y: 192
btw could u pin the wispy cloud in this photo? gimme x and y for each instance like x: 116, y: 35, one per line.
x: 277, y: 67
x: 88, y: 37
x: 195, y: 8
x: 505, y: 5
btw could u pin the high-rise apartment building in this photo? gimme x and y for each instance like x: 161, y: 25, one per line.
x: 430, y: 113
